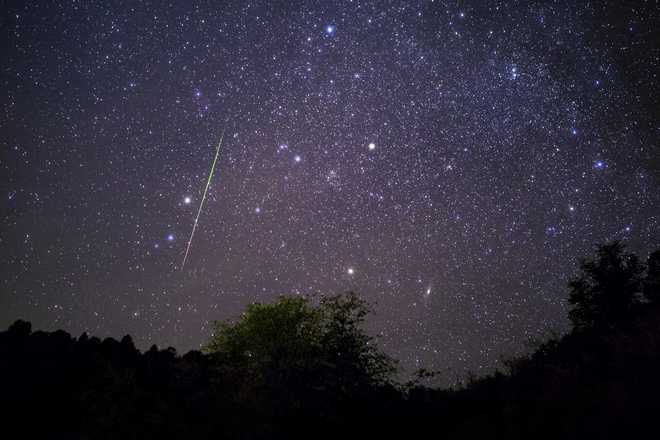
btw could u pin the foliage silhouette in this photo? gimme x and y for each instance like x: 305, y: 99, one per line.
x: 608, y: 291
x: 290, y: 340
x: 290, y: 358
x: 652, y: 281
x: 297, y: 369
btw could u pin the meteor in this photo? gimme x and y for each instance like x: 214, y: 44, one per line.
x: 201, y: 204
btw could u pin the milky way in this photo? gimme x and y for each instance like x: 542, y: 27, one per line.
x: 448, y: 161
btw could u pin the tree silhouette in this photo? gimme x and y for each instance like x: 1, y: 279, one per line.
x: 608, y: 290
x: 292, y: 339
x: 652, y: 281
x: 294, y: 365
x: 300, y: 368
x: 20, y: 329
x: 268, y: 338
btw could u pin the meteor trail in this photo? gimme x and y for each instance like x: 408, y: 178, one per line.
x: 201, y: 204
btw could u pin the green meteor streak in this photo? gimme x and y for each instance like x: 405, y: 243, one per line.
x: 201, y: 204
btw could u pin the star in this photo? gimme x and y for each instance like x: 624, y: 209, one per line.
x: 401, y: 140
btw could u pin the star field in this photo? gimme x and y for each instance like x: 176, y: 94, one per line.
x: 449, y: 161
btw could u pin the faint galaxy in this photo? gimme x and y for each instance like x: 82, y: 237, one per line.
x: 449, y: 161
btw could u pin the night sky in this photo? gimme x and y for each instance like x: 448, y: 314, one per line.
x: 448, y: 161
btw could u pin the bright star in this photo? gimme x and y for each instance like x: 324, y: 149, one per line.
x: 297, y: 158
x: 187, y: 200
x: 372, y: 146
x: 350, y: 271
x: 170, y: 237
x: 330, y: 29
